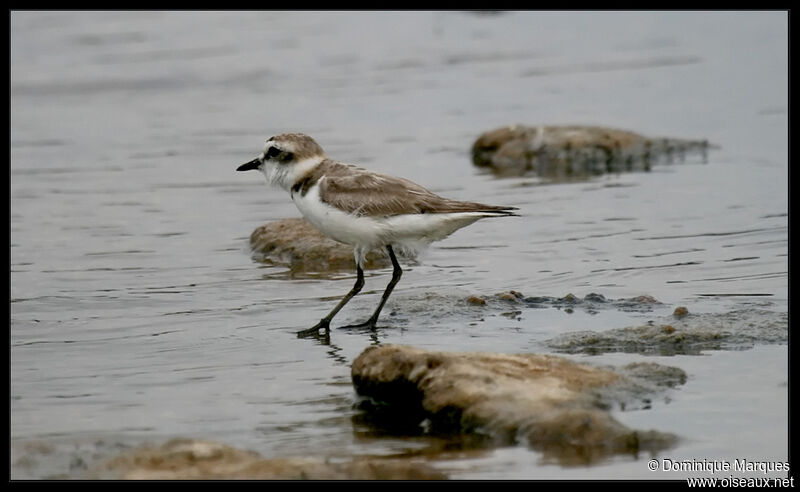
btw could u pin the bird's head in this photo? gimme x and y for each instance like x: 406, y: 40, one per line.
x: 286, y: 159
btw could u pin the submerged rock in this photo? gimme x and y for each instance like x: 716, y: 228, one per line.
x: 190, y: 459
x: 476, y: 301
x: 299, y: 245
x: 565, y: 152
x: 590, y: 302
x: 556, y: 405
x: 680, y: 334
x: 680, y: 311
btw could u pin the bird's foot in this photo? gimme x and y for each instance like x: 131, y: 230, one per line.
x: 370, y: 324
x: 314, y: 331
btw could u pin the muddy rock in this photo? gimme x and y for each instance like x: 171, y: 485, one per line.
x: 567, y: 152
x: 682, y: 334
x: 652, y: 374
x: 591, y: 303
x: 299, y: 245
x: 190, y: 459
x: 680, y: 312
x: 555, y: 405
x: 476, y: 301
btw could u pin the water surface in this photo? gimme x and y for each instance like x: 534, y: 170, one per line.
x: 137, y: 313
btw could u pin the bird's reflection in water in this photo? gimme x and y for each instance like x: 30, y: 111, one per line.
x: 335, y: 351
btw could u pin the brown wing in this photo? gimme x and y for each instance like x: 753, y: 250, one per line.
x: 361, y: 192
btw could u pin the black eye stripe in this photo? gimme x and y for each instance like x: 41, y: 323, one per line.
x: 272, y: 152
x: 278, y: 154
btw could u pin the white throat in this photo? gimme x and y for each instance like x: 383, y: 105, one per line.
x: 286, y: 175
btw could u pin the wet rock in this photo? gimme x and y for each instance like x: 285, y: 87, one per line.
x: 592, y: 297
x: 299, y: 245
x: 553, y: 404
x: 567, y: 152
x: 686, y: 335
x: 476, y: 301
x: 644, y: 382
x: 570, y: 298
x: 189, y: 459
x: 643, y: 300
x: 591, y: 302
x: 641, y: 303
x: 655, y: 374
x: 680, y: 311
x: 511, y: 296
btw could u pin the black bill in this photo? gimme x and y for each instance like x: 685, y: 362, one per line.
x: 249, y: 166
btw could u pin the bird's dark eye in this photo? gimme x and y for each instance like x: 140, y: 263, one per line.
x: 279, y: 155
x: 272, y: 152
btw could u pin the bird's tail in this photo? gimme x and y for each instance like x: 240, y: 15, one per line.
x: 501, y: 212
x: 492, y: 210
x: 479, y: 209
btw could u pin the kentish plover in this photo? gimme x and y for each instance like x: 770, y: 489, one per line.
x: 362, y: 208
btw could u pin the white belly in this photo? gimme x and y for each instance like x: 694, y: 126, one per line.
x: 408, y: 232
x: 363, y: 232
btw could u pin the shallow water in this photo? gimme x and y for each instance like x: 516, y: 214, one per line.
x: 137, y: 313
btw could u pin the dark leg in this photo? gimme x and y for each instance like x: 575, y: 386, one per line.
x: 325, y: 322
x: 396, y: 274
